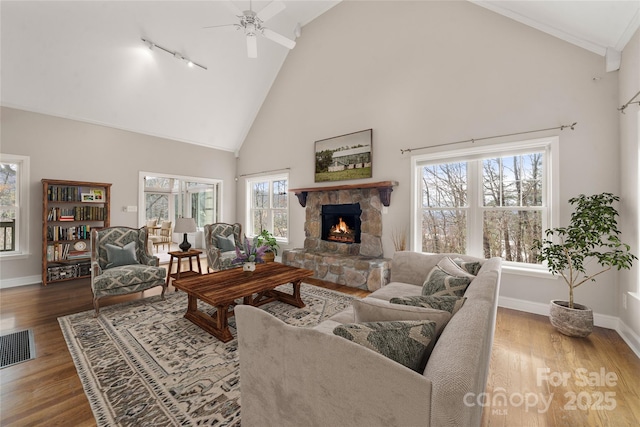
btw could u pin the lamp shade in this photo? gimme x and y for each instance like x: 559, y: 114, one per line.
x: 185, y: 225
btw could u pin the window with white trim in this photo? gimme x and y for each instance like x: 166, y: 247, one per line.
x: 485, y: 201
x: 268, y: 206
x: 14, y: 208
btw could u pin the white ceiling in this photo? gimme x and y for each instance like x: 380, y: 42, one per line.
x: 85, y: 60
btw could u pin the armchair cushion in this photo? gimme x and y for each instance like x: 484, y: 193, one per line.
x: 117, y: 255
x: 128, y: 276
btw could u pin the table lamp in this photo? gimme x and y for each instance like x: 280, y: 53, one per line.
x: 185, y: 225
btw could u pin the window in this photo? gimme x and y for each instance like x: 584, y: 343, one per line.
x: 167, y: 198
x: 485, y: 202
x: 14, y: 209
x: 268, y: 203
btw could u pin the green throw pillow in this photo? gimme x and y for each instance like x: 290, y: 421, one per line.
x: 117, y: 256
x: 406, y: 342
x: 471, y: 267
x: 438, y: 282
x: 226, y: 243
x: 443, y: 302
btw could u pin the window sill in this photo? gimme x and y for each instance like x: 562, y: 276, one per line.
x: 14, y: 256
x: 520, y: 270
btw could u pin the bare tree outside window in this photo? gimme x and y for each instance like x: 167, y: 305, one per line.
x: 511, y: 206
x: 444, y: 203
x: 269, y: 206
x: 8, y: 198
x: 512, y: 218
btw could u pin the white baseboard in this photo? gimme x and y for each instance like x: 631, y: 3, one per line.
x: 601, y: 320
x: 20, y: 281
x: 629, y: 336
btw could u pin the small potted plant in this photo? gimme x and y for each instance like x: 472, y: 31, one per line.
x: 250, y: 255
x: 265, y: 238
x: 592, y: 235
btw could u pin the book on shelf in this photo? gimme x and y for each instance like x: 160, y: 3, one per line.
x: 78, y: 254
x: 62, y: 252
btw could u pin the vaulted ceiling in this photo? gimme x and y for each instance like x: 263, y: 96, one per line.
x: 85, y: 60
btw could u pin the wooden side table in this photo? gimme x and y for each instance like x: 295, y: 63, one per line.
x: 179, y: 256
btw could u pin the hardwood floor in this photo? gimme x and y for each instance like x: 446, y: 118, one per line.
x: 47, y: 391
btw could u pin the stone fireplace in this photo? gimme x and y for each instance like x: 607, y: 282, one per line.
x: 336, y: 257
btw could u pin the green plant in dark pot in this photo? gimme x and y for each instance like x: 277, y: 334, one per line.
x: 265, y: 238
x: 592, y: 235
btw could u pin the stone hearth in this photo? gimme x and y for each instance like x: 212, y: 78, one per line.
x: 359, y: 265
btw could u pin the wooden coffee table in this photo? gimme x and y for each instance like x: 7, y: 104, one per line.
x: 222, y: 288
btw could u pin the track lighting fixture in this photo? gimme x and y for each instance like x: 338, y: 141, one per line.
x: 175, y: 54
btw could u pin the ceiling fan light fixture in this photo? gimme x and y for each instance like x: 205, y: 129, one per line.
x: 252, y: 46
x: 251, y: 22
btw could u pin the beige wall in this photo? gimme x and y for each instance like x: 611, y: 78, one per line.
x: 66, y: 149
x: 426, y: 73
x: 630, y: 183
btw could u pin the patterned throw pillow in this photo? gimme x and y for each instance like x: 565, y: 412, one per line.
x: 376, y: 310
x: 438, y: 282
x: 117, y: 256
x: 443, y: 302
x: 406, y: 342
x: 452, y: 268
x: 471, y: 267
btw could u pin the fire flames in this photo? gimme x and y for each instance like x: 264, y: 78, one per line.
x: 341, y: 227
x: 341, y: 233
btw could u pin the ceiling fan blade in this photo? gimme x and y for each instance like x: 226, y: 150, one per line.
x: 252, y: 46
x: 280, y: 39
x: 233, y: 8
x: 271, y: 10
x: 227, y: 27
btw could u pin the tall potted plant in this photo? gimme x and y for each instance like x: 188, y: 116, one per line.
x: 265, y: 238
x: 592, y: 235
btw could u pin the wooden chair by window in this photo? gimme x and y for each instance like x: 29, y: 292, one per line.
x: 163, y: 236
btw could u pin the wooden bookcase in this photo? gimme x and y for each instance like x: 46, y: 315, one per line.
x: 70, y: 209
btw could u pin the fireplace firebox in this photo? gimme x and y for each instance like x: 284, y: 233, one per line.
x: 341, y: 223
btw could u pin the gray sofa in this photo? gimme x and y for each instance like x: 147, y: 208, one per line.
x: 293, y: 376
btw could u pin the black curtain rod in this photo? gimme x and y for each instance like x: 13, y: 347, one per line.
x: 263, y: 172
x: 571, y: 126
x: 621, y: 109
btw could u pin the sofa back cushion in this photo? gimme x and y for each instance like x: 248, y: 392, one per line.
x: 414, y: 267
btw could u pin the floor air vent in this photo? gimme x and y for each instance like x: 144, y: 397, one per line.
x: 17, y: 347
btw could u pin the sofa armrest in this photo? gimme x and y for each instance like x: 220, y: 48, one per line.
x: 292, y: 376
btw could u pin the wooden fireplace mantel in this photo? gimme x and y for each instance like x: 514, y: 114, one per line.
x: 384, y: 188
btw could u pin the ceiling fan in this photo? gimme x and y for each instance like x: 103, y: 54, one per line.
x: 252, y: 25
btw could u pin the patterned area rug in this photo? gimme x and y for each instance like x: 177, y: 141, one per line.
x: 142, y: 364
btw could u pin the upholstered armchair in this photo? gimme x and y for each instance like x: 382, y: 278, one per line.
x: 121, y: 264
x: 220, y: 241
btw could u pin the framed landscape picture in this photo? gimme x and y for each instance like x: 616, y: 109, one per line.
x: 344, y: 157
